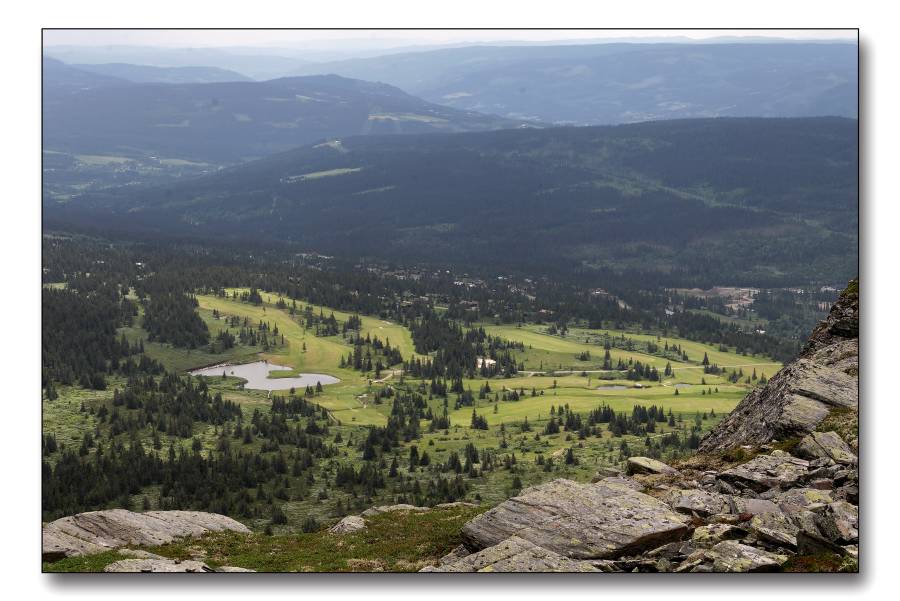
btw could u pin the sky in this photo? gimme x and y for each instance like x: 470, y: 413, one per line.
x: 323, y: 38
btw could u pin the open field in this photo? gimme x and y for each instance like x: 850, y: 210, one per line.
x: 538, y: 456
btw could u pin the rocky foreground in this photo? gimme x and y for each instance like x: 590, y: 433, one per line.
x: 117, y: 529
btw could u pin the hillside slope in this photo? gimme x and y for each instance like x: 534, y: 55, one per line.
x: 233, y: 121
x: 754, y: 197
x: 599, y: 84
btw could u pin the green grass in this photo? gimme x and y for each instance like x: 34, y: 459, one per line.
x: 393, y: 542
x: 87, y: 563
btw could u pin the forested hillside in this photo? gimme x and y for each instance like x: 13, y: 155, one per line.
x: 737, y: 200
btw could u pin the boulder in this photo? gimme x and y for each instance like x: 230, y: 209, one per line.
x: 826, y: 444
x: 454, y: 505
x: 713, y: 534
x: 698, y: 502
x: 455, y: 555
x: 797, y: 499
x: 732, y: 556
x: 646, y: 465
x: 98, y: 531
x: 583, y: 521
x: 775, y: 529
x: 763, y: 472
x: 515, y: 555
x: 839, y: 523
x: 351, y: 523
x: 373, y: 511
x: 157, y: 565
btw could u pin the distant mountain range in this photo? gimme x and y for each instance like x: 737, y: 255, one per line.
x: 95, y: 110
x: 587, y: 84
x: 759, y: 199
x: 148, y: 74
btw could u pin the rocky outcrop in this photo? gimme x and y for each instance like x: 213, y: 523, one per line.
x: 351, y: 523
x: 373, y: 511
x: 583, y: 521
x: 819, y: 445
x: 646, y: 465
x: 824, y: 376
x: 98, y: 531
x: 515, y: 555
x: 751, y: 517
x: 157, y: 566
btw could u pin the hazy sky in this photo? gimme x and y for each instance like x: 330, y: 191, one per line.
x: 384, y: 38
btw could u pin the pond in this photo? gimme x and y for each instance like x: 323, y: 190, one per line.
x: 257, y: 376
x: 612, y: 387
x: 683, y: 385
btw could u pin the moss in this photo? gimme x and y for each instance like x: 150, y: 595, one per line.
x: 391, y: 542
x: 842, y: 420
x: 821, y: 563
x: 788, y: 445
x: 88, y: 563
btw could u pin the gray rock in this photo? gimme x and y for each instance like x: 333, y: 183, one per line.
x: 622, y: 481
x: 646, y: 465
x: 351, y: 523
x: 98, y: 531
x: 732, y: 556
x: 676, y: 551
x: 775, y: 529
x: 454, y: 505
x: 713, y: 534
x: 233, y: 570
x: 373, y: 511
x: 751, y: 507
x: 839, y: 523
x: 515, y: 555
x: 584, y: 521
x: 157, y: 565
x: 606, y: 472
x: 455, y: 555
x: 798, y: 499
x: 699, y: 502
x: 763, y: 472
x: 826, y: 444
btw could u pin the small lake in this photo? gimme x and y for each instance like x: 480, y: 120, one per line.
x: 257, y: 376
x: 683, y: 385
x: 612, y: 387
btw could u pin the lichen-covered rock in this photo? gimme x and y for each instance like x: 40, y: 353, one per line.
x: 826, y: 444
x: 157, y: 566
x: 713, y: 534
x: 763, y: 472
x: 796, y: 399
x: 515, y: 555
x: 351, y: 523
x: 646, y: 465
x: 732, y: 556
x: 98, y: 531
x: 373, y: 511
x: 583, y: 521
x: 775, y: 529
x: 839, y: 523
x: 798, y: 499
x: 455, y: 555
x: 700, y: 502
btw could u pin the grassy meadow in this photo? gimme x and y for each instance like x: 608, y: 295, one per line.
x: 538, y: 456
